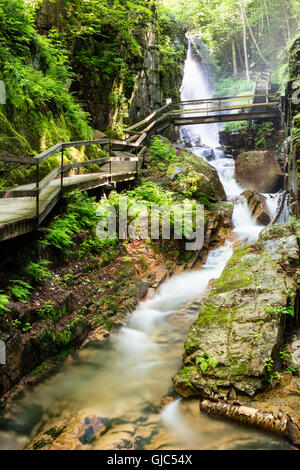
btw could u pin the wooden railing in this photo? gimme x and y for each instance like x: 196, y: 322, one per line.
x: 41, y: 185
x: 235, y: 106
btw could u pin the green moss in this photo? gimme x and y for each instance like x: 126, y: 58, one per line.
x: 186, y: 372
x: 212, y: 314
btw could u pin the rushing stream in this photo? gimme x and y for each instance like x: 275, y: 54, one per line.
x: 125, y: 378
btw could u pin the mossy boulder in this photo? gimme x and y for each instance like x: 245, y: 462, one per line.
x: 183, y: 172
x: 239, y: 327
x: 193, y: 176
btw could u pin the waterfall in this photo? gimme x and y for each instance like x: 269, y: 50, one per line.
x: 196, y: 86
x: 204, y: 139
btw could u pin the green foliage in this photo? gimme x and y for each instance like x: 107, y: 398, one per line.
x: 205, y: 362
x: 79, y: 216
x: 104, y: 320
x: 35, y: 71
x: 273, y: 23
x: 269, y: 364
x: 239, y: 126
x: 230, y: 86
x: 289, y: 310
x: 22, y: 327
x: 50, y: 312
x: 286, y: 354
x: 39, y: 272
x: 20, y: 290
x: 276, y: 376
x: 106, y: 248
x: 4, y: 300
x: 161, y: 151
x: 294, y: 222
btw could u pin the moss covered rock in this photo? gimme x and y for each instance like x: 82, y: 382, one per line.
x: 241, y: 323
x: 194, y: 177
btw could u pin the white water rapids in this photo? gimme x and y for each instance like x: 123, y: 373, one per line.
x: 127, y: 377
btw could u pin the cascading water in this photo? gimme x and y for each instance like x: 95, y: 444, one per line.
x: 196, y: 86
x: 125, y: 379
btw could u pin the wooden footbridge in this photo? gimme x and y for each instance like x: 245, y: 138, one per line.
x: 23, y: 209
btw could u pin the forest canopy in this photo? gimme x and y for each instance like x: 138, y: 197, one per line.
x: 267, y: 27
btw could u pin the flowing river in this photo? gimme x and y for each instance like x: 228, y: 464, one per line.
x: 124, y: 379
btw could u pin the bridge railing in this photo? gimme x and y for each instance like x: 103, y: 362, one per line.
x: 43, y: 184
x: 162, y: 118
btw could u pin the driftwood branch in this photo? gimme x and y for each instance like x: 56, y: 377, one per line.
x: 279, y: 207
x: 281, y: 424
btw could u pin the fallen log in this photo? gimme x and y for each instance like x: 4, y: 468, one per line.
x: 281, y: 424
x: 279, y: 207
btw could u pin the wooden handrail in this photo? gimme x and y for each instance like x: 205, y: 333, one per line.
x: 148, y: 118
x: 224, y: 108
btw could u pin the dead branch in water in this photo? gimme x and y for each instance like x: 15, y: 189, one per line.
x: 281, y: 424
x: 279, y: 207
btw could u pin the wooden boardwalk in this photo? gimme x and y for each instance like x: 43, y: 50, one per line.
x: 24, y: 208
x: 21, y: 213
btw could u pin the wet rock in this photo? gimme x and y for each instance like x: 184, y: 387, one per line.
x: 99, y: 135
x: 74, y: 433
x: 236, y: 331
x: 260, y: 171
x: 208, y: 154
x: 257, y: 206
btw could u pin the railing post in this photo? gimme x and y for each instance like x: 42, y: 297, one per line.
x: 37, y: 194
x: 62, y: 170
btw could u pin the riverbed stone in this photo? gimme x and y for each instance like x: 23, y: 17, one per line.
x: 257, y: 206
x: 238, y: 328
x: 259, y: 170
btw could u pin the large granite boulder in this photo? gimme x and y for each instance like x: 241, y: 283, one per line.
x: 239, y: 327
x: 259, y: 171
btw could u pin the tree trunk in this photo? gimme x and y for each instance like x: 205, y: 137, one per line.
x: 245, y: 41
x: 254, y: 40
x: 282, y: 424
x: 267, y: 14
x: 287, y: 23
x: 234, y: 61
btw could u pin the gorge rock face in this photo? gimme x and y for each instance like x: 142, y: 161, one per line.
x: 259, y: 171
x: 239, y: 328
x: 257, y: 206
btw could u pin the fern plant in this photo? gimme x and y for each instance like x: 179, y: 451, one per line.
x: 4, y: 301
x: 20, y: 290
x: 39, y: 272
